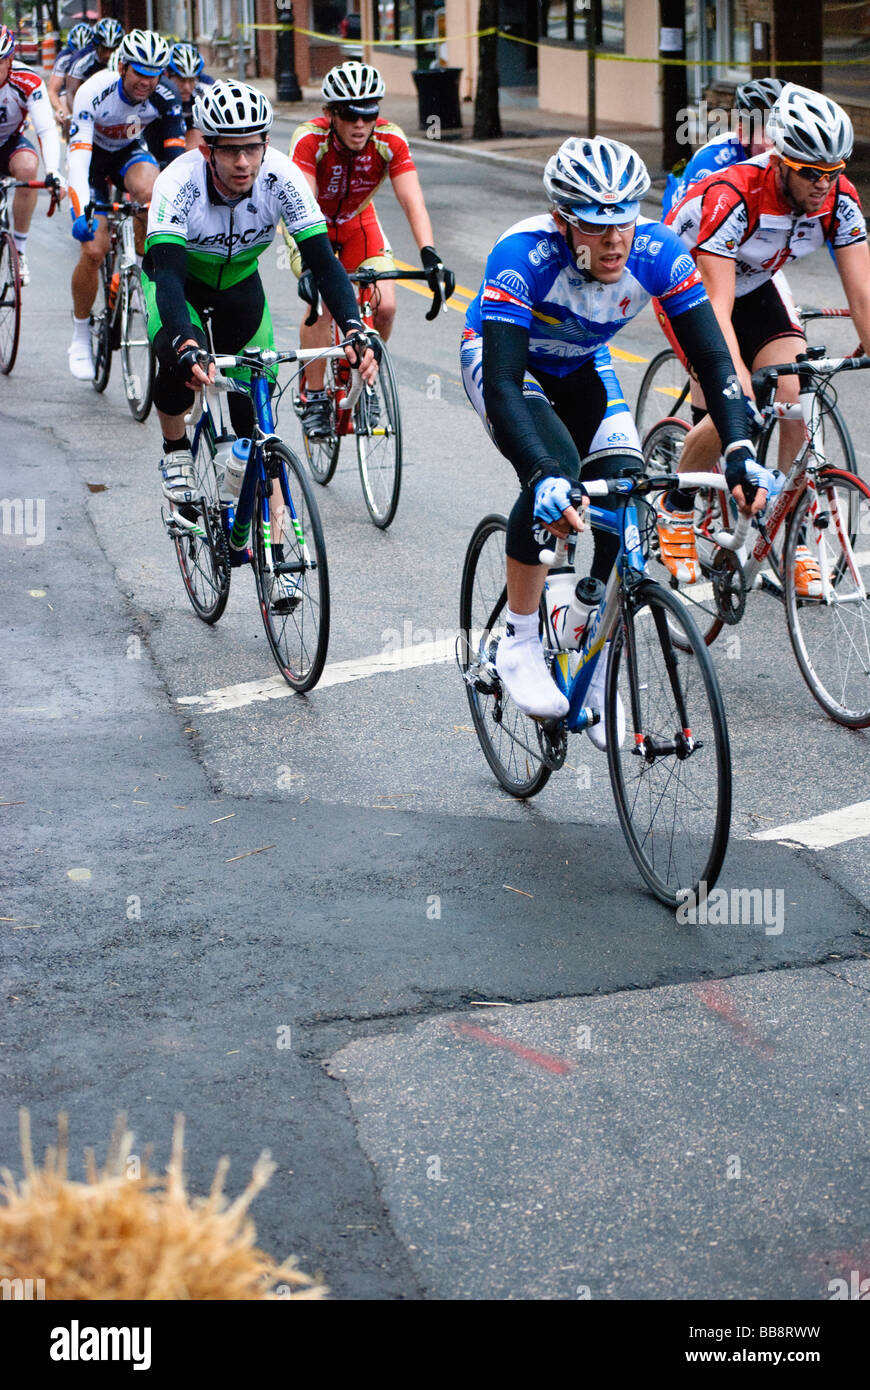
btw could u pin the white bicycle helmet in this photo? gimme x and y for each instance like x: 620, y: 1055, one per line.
x: 354, y: 84
x: 108, y: 33
x: 759, y: 94
x: 596, y: 180
x: 7, y: 41
x: 79, y: 36
x: 185, y: 60
x: 232, y: 108
x: 807, y: 126
x: 144, y: 48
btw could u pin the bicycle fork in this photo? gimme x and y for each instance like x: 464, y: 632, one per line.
x: 651, y: 746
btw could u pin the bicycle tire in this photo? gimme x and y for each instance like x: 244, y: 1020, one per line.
x: 675, y: 847
x: 665, y: 385
x: 101, y: 331
x: 322, y: 454
x: 138, y: 366
x: 10, y: 302
x: 482, y: 609
x: 204, y: 560
x: 831, y: 642
x: 661, y: 456
x: 379, y: 444
x: 298, y: 638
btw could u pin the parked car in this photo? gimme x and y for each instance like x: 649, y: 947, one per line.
x: 351, y: 27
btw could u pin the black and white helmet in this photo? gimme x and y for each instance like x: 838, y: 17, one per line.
x: 807, y: 126
x: 759, y: 94
x: 185, y: 60
x: 353, y: 83
x: 596, y: 180
x: 108, y: 33
x: 232, y: 108
x: 144, y: 48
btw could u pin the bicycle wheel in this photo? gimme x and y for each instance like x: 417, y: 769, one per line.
x: 101, y: 329
x: 720, y: 582
x: 200, y: 542
x: 509, y: 739
x: 663, y: 392
x: 322, y: 454
x: 671, y: 777
x: 378, y: 428
x: 10, y: 302
x: 831, y: 640
x: 137, y: 353
x: 297, y: 627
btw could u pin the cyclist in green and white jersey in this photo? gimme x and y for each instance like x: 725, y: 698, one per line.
x: 213, y: 212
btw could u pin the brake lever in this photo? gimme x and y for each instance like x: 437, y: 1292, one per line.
x: 435, y: 285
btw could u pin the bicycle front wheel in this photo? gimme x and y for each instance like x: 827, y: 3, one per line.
x: 10, y: 302
x: 509, y: 738
x: 101, y: 330
x: 291, y: 571
x: 671, y: 776
x: 378, y: 428
x: 201, y: 546
x: 664, y: 391
x: 831, y: 635
x: 137, y: 353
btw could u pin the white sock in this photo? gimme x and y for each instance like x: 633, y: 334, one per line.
x: 20, y: 239
x: 525, y: 626
x: 81, y: 330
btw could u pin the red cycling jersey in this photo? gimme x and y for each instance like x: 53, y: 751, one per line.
x: 741, y: 215
x: 346, y: 181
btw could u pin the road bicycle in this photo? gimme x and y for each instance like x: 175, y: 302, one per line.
x: 671, y: 773
x: 273, y: 523
x: 665, y: 388
x: 10, y: 273
x: 376, y: 422
x: 118, y: 319
x: 821, y: 514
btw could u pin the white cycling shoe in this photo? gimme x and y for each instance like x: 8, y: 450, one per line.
x: 23, y: 269
x: 523, y: 672
x: 81, y: 361
x: 179, y: 479
x: 595, y: 698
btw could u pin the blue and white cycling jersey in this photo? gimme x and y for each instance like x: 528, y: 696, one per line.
x: 532, y: 280
x: 711, y: 158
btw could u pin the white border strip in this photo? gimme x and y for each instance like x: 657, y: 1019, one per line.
x: 824, y: 832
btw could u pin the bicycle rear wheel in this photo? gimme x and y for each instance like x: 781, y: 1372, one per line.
x: 322, y: 453
x: 137, y: 353
x: 378, y: 428
x: 200, y: 543
x: 509, y: 738
x: 297, y: 625
x: 831, y: 640
x: 101, y: 329
x: 663, y: 392
x: 671, y: 777
x: 10, y: 302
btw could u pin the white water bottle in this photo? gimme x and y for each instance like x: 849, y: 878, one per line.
x: 558, y: 594
x: 587, y: 595
x: 236, y: 464
x: 221, y: 457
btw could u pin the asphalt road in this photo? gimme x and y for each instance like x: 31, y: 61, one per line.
x: 429, y: 1144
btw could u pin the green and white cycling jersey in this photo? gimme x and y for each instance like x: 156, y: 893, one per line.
x: 225, y: 239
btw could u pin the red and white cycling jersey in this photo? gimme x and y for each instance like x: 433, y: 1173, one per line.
x: 741, y: 215
x: 23, y: 95
x: 346, y: 181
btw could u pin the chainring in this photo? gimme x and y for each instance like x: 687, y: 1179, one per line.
x: 729, y: 586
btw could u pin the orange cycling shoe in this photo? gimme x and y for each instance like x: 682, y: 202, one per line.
x: 807, y: 575
x: 676, y: 531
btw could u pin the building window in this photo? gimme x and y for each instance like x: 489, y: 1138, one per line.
x: 718, y: 41
x: 567, y: 21
x: 846, y: 36
x: 406, y: 20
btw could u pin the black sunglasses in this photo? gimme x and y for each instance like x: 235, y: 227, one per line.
x: 355, y: 113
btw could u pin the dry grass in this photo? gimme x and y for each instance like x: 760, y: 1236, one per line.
x: 136, y: 1237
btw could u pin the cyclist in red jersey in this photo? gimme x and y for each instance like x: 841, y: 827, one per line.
x: 346, y: 155
x: 744, y: 225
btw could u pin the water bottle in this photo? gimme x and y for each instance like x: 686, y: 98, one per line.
x: 222, y: 453
x: 558, y: 594
x: 236, y: 464
x: 588, y: 593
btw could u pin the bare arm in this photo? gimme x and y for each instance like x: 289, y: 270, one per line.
x: 853, y: 263
x: 720, y: 279
x: 410, y: 195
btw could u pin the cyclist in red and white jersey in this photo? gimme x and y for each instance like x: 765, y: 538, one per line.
x: 744, y: 225
x: 346, y: 154
x: 23, y: 94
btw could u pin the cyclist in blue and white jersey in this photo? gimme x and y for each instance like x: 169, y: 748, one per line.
x: 108, y: 34
x: 80, y: 40
x: 536, y: 367
x: 753, y: 100
x: 187, y: 76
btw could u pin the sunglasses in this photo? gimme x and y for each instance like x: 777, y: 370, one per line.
x: 251, y: 152
x: 598, y: 228
x: 352, y: 114
x: 814, y: 173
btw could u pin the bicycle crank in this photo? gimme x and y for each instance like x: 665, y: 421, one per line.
x: 729, y: 586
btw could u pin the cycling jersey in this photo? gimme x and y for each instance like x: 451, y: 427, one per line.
x: 22, y: 95
x: 68, y: 56
x: 224, y: 239
x: 85, y: 64
x: 742, y: 216
x: 105, y: 119
x: 532, y: 281
x: 347, y: 181
x: 712, y: 158
x: 203, y: 82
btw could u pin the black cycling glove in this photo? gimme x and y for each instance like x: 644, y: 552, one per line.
x: 430, y: 260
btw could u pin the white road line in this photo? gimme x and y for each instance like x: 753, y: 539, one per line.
x: 823, y: 832
x: 335, y: 673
